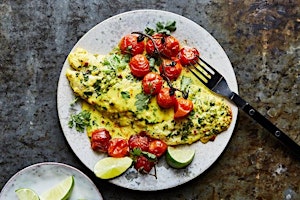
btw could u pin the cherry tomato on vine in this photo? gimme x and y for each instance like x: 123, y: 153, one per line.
x: 165, y: 99
x: 130, y: 44
x: 158, y: 39
x: 171, y: 46
x: 182, y: 107
x: 139, y: 141
x: 171, y: 68
x: 139, y: 65
x: 118, y: 147
x: 188, y: 55
x: 157, y: 147
x: 100, y: 140
x: 143, y: 164
x: 152, y: 83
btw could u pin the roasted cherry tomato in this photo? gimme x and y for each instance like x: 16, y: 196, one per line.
x: 143, y: 164
x: 118, y: 147
x: 171, y: 68
x: 139, y: 141
x: 157, y: 147
x: 158, y: 39
x: 188, y: 55
x: 165, y: 99
x: 100, y: 140
x: 130, y: 44
x: 139, y: 65
x: 182, y: 107
x: 171, y: 46
x: 152, y: 83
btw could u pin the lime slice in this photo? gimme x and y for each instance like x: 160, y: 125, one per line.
x: 179, y: 157
x: 26, y: 194
x: 61, y: 191
x: 110, y: 167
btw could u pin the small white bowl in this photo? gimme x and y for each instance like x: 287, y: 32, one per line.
x: 42, y: 176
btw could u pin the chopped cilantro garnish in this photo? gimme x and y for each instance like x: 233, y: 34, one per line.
x: 165, y: 28
x: 80, y: 120
x: 136, y: 152
x: 185, y: 82
x: 125, y: 95
x: 142, y: 101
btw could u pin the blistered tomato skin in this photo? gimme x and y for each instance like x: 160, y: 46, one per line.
x: 164, y: 99
x: 152, y: 83
x: 171, y: 46
x: 118, y: 147
x: 100, y: 140
x: 139, y: 65
x: 182, y: 107
x: 143, y: 164
x: 129, y: 44
x: 157, y: 147
x: 158, y: 39
x: 139, y: 141
x: 171, y: 68
x: 188, y: 55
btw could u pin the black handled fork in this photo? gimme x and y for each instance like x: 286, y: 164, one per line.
x: 217, y: 83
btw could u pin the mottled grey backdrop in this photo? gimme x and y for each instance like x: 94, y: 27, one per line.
x: 261, y: 39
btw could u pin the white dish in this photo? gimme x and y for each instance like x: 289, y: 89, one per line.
x: 42, y: 176
x: 102, y: 39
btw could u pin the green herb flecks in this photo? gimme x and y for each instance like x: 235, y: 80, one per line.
x: 115, y: 62
x: 136, y: 152
x: 142, y: 101
x: 125, y: 95
x: 185, y: 82
x: 72, y: 104
x: 80, y: 120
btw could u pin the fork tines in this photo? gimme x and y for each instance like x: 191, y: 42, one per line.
x: 204, y: 72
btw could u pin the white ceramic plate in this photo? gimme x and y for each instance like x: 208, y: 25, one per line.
x: 42, y: 176
x: 102, y: 39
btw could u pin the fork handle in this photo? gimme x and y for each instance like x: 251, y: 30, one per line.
x: 246, y: 107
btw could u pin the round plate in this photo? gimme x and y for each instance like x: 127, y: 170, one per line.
x: 101, y: 40
x: 43, y: 176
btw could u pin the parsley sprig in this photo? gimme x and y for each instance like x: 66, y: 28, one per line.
x: 165, y: 28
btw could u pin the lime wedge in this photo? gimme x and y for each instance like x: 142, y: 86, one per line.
x: 26, y: 194
x: 111, y: 167
x: 61, y: 191
x: 179, y: 157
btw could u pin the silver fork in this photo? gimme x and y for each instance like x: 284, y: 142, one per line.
x: 217, y: 83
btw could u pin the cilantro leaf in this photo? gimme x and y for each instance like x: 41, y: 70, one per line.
x: 171, y: 26
x: 136, y: 152
x: 165, y: 28
x: 149, y: 31
x: 80, y: 120
x: 149, y: 156
x: 125, y: 95
x: 142, y: 101
x: 185, y: 82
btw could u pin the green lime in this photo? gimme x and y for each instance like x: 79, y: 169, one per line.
x: 110, y: 167
x: 61, y: 191
x: 179, y: 157
x: 26, y: 194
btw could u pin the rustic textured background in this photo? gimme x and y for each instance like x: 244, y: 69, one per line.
x: 261, y: 39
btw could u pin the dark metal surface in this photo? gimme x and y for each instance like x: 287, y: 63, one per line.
x: 261, y: 38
